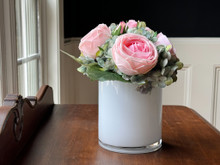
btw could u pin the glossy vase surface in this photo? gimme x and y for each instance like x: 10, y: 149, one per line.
x: 129, y: 121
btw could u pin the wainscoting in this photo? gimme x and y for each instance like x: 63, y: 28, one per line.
x: 197, y: 86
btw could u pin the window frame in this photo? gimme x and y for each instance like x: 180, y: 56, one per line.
x: 8, y: 61
x: 49, y: 47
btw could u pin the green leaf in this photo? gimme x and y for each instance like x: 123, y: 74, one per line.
x: 117, y: 30
x: 169, y: 81
x: 105, y: 46
x: 154, y: 39
x: 164, y: 54
x: 95, y: 72
x: 141, y: 24
x: 99, y: 53
x: 112, y: 26
x: 82, y: 69
x: 164, y: 62
x: 85, y: 61
x: 179, y: 64
x: 73, y: 57
x: 161, y: 49
x: 168, y: 47
x: 100, y: 48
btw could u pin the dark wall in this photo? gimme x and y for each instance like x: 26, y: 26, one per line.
x: 175, y: 18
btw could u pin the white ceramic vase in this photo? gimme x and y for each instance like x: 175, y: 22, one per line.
x: 129, y: 122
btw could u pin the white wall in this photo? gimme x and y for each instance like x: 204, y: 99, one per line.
x: 199, y: 80
x: 197, y: 86
x: 75, y: 87
x: 50, y: 45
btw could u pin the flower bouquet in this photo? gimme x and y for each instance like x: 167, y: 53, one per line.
x: 129, y: 52
x: 123, y: 57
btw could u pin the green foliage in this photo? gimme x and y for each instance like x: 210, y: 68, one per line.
x: 116, y: 31
x: 151, y: 35
x: 103, y: 68
x: 82, y: 69
x: 73, y: 57
x: 141, y: 24
x: 95, y: 72
x: 93, y: 69
x: 165, y: 72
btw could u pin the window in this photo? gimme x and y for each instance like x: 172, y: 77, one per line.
x: 28, y: 46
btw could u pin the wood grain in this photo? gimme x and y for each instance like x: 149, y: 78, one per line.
x: 19, y: 119
x: 71, y: 137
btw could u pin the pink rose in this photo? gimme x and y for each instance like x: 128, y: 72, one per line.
x: 89, y: 43
x: 163, y: 40
x: 134, y: 54
x: 122, y: 24
x: 132, y: 23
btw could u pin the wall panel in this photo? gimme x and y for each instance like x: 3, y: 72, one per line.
x: 216, y: 97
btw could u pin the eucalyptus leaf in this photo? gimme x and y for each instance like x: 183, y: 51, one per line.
x: 141, y: 24
x: 164, y: 54
x: 179, y: 64
x: 160, y: 48
x: 163, y: 71
x: 82, y: 69
x: 154, y: 84
x: 162, y: 84
x: 156, y: 74
x: 164, y: 62
x: 95, y: 72
x: 162, y: 78
x: 174, y: 77
x: 145, y: 88
x: 154, y: 39
x: 169, y: 55
x: 112, y: 26
x: 173, y: 69
x: 169, y: 81
x: 167, y: 70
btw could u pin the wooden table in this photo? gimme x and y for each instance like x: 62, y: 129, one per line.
x: 70, y: 136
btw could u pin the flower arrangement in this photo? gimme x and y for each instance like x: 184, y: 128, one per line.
x: 129, y: 52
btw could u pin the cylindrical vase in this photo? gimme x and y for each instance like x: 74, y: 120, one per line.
x: 129, y: 121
